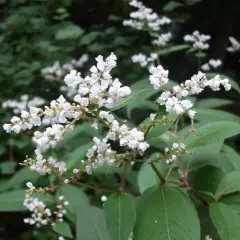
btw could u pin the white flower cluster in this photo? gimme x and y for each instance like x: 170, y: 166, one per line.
x: 145, y: 18
x: 158, y: 77
x: 144, y: 60
x: 57, y: 71
x: 59, y: 111
x: 25, y: 103
x: 99, y: 154
x: 235, y: 45
x: 49, y: 138
x: 94, y: 91
x: 98, y: 89
x: 27, y: 121
x: 173, y: 100
x: 172, y: 154
x: 214, y: 63
x: 162, y: 39
x: 60, y: 211
x: 41, y: 215
x: 134, y: 139
x: 198, y: 40
x: 70, y: 92
x: 45, y: 166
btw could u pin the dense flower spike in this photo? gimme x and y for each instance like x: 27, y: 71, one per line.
x: 143, y: 60
x: 198, y: 40
x: 99, y: 154
x: 41, y: 215
x: 158, y: 77
x: 45, y: 166
x: 173, y: 101
x: 94, y: 92
x: 25, y: 103
x: 133, y: 138
x: 214, y: 63
x: 162, y: 40
x: 98, y: 89
x: 235, y: 45
x: 57, y: 71
x: 145, y: 18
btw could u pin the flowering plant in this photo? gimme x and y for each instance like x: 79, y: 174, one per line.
x: 153, y: 177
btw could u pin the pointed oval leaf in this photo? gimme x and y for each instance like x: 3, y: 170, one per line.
x: 91, y: 224
x: 63, y: 229
x: 226, y: 221
x: 213, y: 115
x: 13, y: 200
x: 166, y: 213
x: 132, y: 99
x: 76, y: 198
x: 172, y: 49
x: 229, y: 184
x: 120, y: 214
x: 212, y: 132
x: 213, y: 103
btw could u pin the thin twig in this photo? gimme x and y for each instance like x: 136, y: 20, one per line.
x: 97, y: 188
x: 169, y: 171
x: 162, y: 179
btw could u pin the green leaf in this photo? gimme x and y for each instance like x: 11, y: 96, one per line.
x: 213, y: 103
x: 233, y: 201
x: 207, y: 227
x: 63, y: 229
x: 12, y: 201
x: 91, y: 224
x: 7, y: 167
x: 202, y: 156
x: 89, y: 37
x: 212, y: 132
x: 232, y: 156
x: 120, y: 214
x: 172, y: 49
x: 69, y: 32
x: 22, y: 176
x: 132, y: 99
x: 192, y: 2
x: 147, y: 177
x: 71, y: 135
x: 211, y: 115
x: 226, y: 221
x: 159, y: 128
x: 166, y: 213
x: 74, y: 158
x: 171, y: 6
x: 229, y: 184
x: 210, y: 181
x: 76, y: 198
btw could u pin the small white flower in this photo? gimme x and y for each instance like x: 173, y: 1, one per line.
x: 30, y: 185
x: 153, y: 116
x: 103, y: 198
x: 191, y: 114
x: 75, y: 171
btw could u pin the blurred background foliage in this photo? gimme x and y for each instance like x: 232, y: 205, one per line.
x: 36, y: 33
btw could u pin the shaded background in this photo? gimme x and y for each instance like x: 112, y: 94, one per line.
x: 30, y: 41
